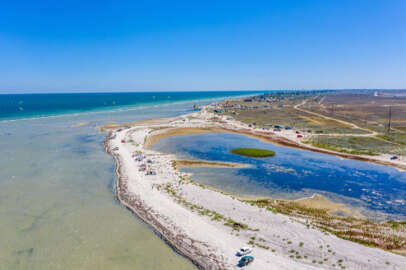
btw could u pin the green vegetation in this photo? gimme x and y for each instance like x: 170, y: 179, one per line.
x: 332, y: 147
x: 171, y: 190
x: 358, y: 145
x: 237, y: 226
x: 396, y: 224
x: 253, y: 152
x: 395, y: 137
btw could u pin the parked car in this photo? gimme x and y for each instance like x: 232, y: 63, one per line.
x: 245, y: 261
x: 244, y: 251
x: 394, y: 158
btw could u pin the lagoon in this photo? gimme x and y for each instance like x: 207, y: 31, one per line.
x: 377, y: 191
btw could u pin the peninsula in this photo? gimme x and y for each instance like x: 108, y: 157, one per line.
x: 208, y: 226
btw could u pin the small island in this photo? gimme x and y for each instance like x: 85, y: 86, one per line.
x: 253, y: 152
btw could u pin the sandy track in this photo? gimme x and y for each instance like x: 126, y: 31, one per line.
x: 370, y: 133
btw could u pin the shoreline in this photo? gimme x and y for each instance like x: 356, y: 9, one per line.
x: 136, y: 206
x: 207, y: 226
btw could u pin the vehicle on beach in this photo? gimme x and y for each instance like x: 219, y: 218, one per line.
x: 245, y: 261
x: 244, y: 251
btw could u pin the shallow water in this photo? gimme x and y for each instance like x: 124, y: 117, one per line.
x: 293, y: 173
x: 57, y: 206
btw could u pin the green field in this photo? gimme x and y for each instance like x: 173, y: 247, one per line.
x: 253, y: 152
x: 357, y: 145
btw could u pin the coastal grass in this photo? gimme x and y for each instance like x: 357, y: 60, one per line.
x: 253, y: 152
x: 329, y: 145
x: 235, y: 225
x: 371, y: 146
x: 389, y: 235
x: 395, y: 137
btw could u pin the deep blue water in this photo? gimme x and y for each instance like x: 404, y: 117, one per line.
x: 16, y: 106
x: 292, y: 173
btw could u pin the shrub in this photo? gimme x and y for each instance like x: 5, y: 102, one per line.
x: 253, y: 152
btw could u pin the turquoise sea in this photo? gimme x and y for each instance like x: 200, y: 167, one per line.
x: 57, y: 205
x: 17, y: 106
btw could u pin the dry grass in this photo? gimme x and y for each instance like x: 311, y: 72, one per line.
x: 357, y: 145
x: 362, y: 108
x: 282, y: 112
x: 389, y: 235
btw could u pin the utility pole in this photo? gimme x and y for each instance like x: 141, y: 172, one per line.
x: 389, y: 118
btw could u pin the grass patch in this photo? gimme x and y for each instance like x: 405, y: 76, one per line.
x: 395, y: 137
x: 237, y: 226
x: 253, y: 152
x: 331, y: 146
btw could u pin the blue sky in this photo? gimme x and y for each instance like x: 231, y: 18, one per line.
x: 65, y: 46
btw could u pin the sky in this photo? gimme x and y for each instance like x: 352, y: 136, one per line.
x: 69, y: 46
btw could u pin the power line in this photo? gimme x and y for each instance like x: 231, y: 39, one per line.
x: 389, y: 118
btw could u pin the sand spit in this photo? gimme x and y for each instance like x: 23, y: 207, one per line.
x: 172, y: 235
x: 208, y: 226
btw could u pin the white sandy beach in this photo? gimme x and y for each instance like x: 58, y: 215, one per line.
x: 174, y: 207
